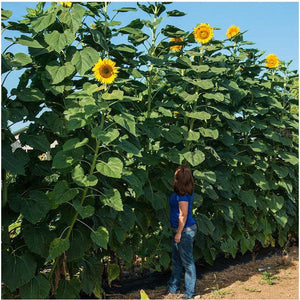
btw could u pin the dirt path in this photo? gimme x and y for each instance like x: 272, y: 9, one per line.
x: 273, y: 277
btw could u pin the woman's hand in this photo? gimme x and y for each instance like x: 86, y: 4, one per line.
x: 177, y: 237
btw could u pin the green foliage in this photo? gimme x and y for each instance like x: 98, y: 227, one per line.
x: 101, y: 194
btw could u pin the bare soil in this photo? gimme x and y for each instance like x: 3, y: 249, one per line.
x: 274, y: 276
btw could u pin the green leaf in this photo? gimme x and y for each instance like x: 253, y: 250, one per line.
x: 247, y: 244
x: 85, y: 59
x: 100, y: 237
x: 17, y: 270
x: 194, y: 158
x: 229, y: 246
x: 173, y: 135
x: 126, y: 121
x: 113, y: 272
x: 37, y: 142
x: 62, y: 193
x: 165, y: 260
x: 172, y: 31
x: 175, y: 13
x: 275, y: 203
x: 65, y: 159
x: 74, y: 143
x: 125, y: 253
x: 38, y: 238
x: 205, y: 225
x: 73, y: 18
x: 157, y: 199
x: 21, y: 60
x: 37, y: 288
x: 208, y: 176
x: 58, y: 246
x: 59, y: 73
x: 281, y: 218
x: 5, y: 14
x: 192, y: 136
x: 258, y: 146
x: 35, y: 207
x: 107, y: 136
x: 81, y: 179
x: 84, y: 211
x: 112, y: 168
x: 216, y: 96
x: 100, y: 39
x: 114, y: 95
x: 30, y: 95
x: 248, y: 198
x: 125, y: 48
x: 289, y: 157
x: 29, y: 42
x: 113, y: 199
x: 200, y: 115
x: 212, y: 133
x: 42, y: 22
x: 125, y: 9
x: 91, y: 274
x: 57, y: 41
x: 68, y: 289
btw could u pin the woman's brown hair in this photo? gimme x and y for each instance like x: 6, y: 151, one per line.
x: 183, y: 183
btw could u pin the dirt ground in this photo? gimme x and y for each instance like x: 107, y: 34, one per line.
x: 273, y: 277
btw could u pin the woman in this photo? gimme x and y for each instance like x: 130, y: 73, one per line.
x: 184, y: 230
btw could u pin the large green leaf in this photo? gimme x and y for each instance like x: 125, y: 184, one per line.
x: 37, y: 142
x: 58, y: 73
x: 113, y: 272
x: 85, y: 59
x: 230, y: 246
x: 248, y: 198
x: 208, y: 176
x: 65, y: 159
x: 126, y: 121
x: 207, y: 132
x: 29, y: 42
x: 37, y: 288
x: 38, y: 238
x: 73, y: 18
x: 173, y: 135
x: 112, y: 168
x: 57, y: 40
x: 30, y: 95
x: 41, y: 22
x: 81, y: 179
x: 100, y: 237
x: 194, y: 158
x: 281, y: 218
x: 113, y: 199
x: 74, y: 143
x: 205, y: 225
x: 35, y: 206
x: 17, y: 270
x: 84, y: 211
x: 200, y: 115
x: 62, y: 192
x: 68, y: 289
x: 275, y: 203
x: 105, y: 136
x: 58, y: 246
x: 21, y: 60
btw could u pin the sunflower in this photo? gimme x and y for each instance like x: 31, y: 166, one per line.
x: 105, y: 71
x: 66, y: 4
x: 203, y: 33
x: 42, y: 156
x: 232, y: 31
x: 176, y: 47
x: 272, y: 61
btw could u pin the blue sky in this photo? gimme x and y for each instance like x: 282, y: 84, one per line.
x: 272, y: 26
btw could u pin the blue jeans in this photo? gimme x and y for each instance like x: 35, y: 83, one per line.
x: 182, y: 256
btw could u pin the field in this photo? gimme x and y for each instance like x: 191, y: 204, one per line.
x: 267, y: 276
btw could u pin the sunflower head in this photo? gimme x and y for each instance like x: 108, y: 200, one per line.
x: 272, y: 61
x: 105, y: 71
x: 203, y: 33
x: 232, y: 31
x: 176, y: 47
x: 66, y: 4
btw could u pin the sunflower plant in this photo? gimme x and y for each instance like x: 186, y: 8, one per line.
x: 120, y: 117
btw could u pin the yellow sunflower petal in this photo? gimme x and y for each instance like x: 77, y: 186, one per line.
x: 272, y: 61
x: 66, y: 4
x: 232, y: 31
x: 203, y: 33
x: 105, y: 71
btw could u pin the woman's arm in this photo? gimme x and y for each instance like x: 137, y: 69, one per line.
x: 183, y: 212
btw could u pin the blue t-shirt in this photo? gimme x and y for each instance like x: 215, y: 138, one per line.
x: 174, y: 213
